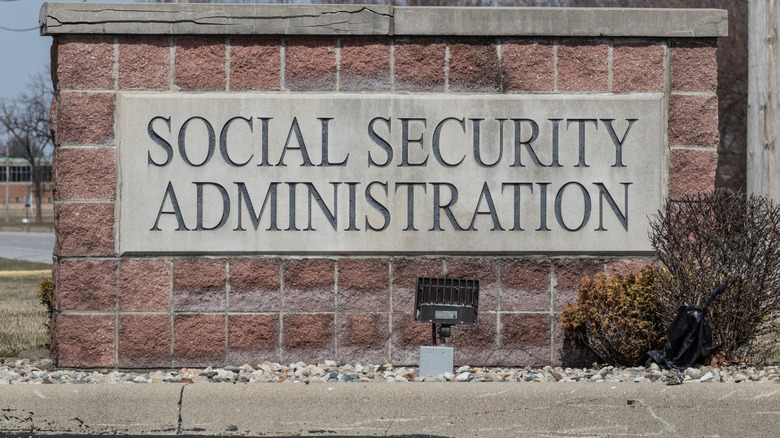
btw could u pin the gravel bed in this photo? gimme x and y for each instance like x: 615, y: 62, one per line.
x: 26, y: 371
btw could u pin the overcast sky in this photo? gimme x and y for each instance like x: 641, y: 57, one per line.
x: 23, y: 53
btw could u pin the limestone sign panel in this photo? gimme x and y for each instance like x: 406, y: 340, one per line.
x: 394, y: 174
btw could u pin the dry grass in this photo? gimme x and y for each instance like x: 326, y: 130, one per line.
x: 22, y: 317
x: 17, y: 212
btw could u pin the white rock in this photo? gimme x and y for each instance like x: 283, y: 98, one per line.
x: 463, y: 376
x: 707, y: 377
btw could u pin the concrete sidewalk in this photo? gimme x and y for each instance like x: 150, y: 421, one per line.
x: 378, y: 409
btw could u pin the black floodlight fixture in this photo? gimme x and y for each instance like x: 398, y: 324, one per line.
x: 448, y: 302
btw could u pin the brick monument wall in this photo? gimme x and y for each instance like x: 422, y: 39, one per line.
x: 140, y: 311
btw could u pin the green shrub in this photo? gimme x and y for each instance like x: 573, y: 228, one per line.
x: 701, y: 239
x: 616, y: 317
x: 46, y: 297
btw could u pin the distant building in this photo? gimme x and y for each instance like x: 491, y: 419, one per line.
x: 20, y: 182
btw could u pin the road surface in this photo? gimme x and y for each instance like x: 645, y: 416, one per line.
x: 33, y: 247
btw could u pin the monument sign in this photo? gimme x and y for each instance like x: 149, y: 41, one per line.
x: 242, y: 183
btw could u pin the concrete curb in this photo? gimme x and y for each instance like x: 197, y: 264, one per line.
x: 454, y: 410
x: 44, y: 272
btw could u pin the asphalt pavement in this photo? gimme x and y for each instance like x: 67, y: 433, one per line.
x: 394, y: 409
x: 33, y: 247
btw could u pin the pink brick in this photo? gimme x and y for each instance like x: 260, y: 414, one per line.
x: 84, y: 229
x: 569, y: 353
x: 583, y: 66
x: 83, y: 341
x: 255, y: 64
x: 405, y: 273
x: 528, y: 66
x: 84, y: 63
x: 85, y: 285
x: 144, y: 63
x: 638, y: 67
x: 253, y: 339
x: 364, y: 284
x: 200, y: 63
x: 255, y: 285
x: 144, y: 341
x: 365, y: 65
x: 363, y: 338
x: 310, y: 64
x: 474, y: 66
x: 84, y: 118
x: 525, y: 285
x: 308, y: 338
x: 694, y: 67
x: 525, y: 339
x: 625, y: 267
x: 199, y: 340
x: 569, y: 275
x: 692, y: 171
x: 483, y: 270
x: 199, y: 285
x: 309, y: 285
x: 419, y: 65
x: 85, y: 174
x: 475, y: 344
x: 144, y: 284
x: 693, y: 121
x: 408, y: 336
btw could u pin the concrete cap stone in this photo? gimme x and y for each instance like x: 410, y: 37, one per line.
x: 266, y: 19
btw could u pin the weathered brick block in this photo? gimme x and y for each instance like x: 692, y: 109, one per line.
x: 525, y: 285
x: 525, y: 339
x: 200, y: 63
x: 144, y: 284
x: 568, y: 276
x: 253, y: 339
x: 255, y: 285
x: 638, y: 67
x: 693, y: 121
x: 199, y: 284
x: 408, y: 336
x: 144, y: 63
x: 475, y: 344
x: 309, y: 285
x: 364, y: 284
x: 85, y: 174
x: 583, y: 66
x: 483, y: 270
x: 84, y: 229
x: 474, y: 66
x: 84, y: 118
x: 419, y: 65
x: 694, y: 67
x: 84, y: 63
x: 83, y: 341
x: 363, y: 337
x: 308, y: 337
x: 199, y: 340
x: 528, y: 66
x: 310, y: 64
x: 625, y: 267
x: 144, y: 341
x: 692, y: 171
x: 405, y: 273
x: 255, y: 64
x: 85, y: 285
x: 365, y: 65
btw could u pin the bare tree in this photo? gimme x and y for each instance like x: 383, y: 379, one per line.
x: 26, y: 120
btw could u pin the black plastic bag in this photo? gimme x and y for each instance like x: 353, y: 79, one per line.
x: 689, y: 336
